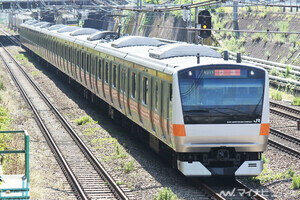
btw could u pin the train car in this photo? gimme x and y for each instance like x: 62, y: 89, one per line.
x: 16, y: 19
x: 212, y: 113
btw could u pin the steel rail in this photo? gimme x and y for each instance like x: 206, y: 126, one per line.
x: 63, y: 163
x: 254, y: 195
x: 85, y: 150
x: 284, y: 148
x: 287, y: 108
x: 283, y: 114
x: 284, y: 136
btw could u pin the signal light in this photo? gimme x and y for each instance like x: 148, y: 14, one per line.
x: 204, y: 20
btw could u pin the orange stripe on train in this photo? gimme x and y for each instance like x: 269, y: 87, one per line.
x: 264, y: 129
x: 179, y: 130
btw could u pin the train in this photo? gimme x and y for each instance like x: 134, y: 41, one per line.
x: 211, y: 112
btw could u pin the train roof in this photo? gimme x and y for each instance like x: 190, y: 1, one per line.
x: 144, y: 51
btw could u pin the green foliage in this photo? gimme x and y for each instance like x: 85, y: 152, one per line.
x: 165, y: 194
x: 296, y: 182
x: 234, y: 45
x: 276, y: 95
x: 129, y: 166
x: 279, y: 38
x: 267, y: 54
x: 4, y: 119
x: 287, y: 71
x: 22, y: 57
x: 282, y: 26
x: 296, y: 101
x: 293, y: 39
x: 274, y: 72
x: 264, y: 159
x: 85, y: 120
x: 2, y: 87
x: 257, y: 36
x: 268, y: 175
x: 283, y: 60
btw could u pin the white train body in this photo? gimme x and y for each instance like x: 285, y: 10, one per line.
x: 214, y: 114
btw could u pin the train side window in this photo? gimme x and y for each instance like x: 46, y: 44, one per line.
x: 78, y: 58
x: 145, y: 90
x: 88, y: 61
x: 106, y: 72
x: 82, y: 60
x: 171, y: 93
x: 70, y: 53
x: 114, y: 81
x: 99, y: 69
x: 133, y: 85
x: 156, y: 96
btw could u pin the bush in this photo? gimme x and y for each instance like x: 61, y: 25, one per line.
x: 276, y: 95
x: 296, y: 182
x: 165, y: 194
x: 267, y: 54
x: 85, y: 120
x: 296, y: 101
x: 129, y: 166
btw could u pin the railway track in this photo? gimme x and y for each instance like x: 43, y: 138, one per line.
x: 285, y: 111
x: 87, y: 177
x: 284, y: 142
x: 222, y: 189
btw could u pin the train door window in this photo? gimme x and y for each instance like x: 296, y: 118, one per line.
x: 114, y: 78
x: 133, y: 85
x: 145, y: 90
x: 88, y: 62
x: 99, y: 69
x: 106, y: 72
x: 156, y: 96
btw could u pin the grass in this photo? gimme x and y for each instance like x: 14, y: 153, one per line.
x: 85, y: 120
x: 165, y: 194
x: 90, y: 131
x: 296, y: 101
x: 296, y: 182
x: 129, y: 167
x: 293, y: 39
x: 268, y: 175
x: 276, y: 95
x: 35, y: 73
x: 285, y: 95
x: 2, y: 87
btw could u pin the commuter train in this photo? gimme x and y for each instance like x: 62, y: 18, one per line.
x: 212, y: 113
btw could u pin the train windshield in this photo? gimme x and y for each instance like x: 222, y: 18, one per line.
x: 221, y: 95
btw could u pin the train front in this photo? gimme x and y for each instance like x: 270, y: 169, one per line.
x: 220, y: 119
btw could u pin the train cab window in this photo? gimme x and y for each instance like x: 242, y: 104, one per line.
x: 99, y: 69
x: 106, y: 72
x: 156, y: 96
x: 133, y: 85
x: 145, y: 90
x: 114, y: 78
x: 88, y: 62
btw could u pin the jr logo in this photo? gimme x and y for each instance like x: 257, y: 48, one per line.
x: 256, y: 121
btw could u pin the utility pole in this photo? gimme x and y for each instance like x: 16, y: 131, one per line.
x: 235, y: 18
